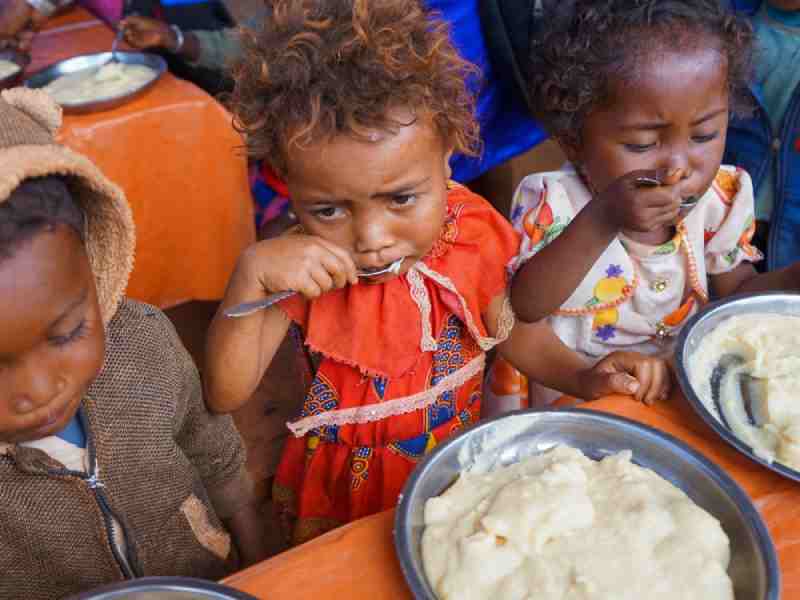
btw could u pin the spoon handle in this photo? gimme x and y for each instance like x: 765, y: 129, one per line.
x: 248, y: 308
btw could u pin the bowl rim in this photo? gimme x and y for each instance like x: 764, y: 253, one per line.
x: 418, y: 581
x: 108, y: 102
x: 171, y: 583
x: 694, y: 400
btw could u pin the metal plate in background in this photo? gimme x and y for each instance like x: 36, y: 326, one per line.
x: 86, y: 62
x: 754, y: 565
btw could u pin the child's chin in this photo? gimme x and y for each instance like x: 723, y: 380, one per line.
x: 59, y: 420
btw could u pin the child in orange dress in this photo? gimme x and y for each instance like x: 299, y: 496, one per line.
x: 358, y: 105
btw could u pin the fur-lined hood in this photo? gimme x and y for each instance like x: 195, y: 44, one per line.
x: 29, y: 120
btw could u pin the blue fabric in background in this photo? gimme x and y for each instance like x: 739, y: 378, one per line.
x: 506, y: 128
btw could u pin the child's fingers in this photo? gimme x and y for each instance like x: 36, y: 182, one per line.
x: 347, y: 264
x: 662, y: 383
x: 318, y: 282
x: 337, y: 269
x: 644, y: 375
x: 620, y: 383
x: 656, y: 390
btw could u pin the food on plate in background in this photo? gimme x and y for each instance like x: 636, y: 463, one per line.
x: 110, y: 80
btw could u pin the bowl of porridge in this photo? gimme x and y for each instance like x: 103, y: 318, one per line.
x: 578, y: 504
x: 12, y: 66
x: 738, y: 364
x: 93, y: 82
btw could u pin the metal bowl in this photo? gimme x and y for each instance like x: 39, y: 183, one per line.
x: 21, y: 59
x: 164, y: 588
x: 86, y: 62
x: 701, y: 325
x: 510, y: 438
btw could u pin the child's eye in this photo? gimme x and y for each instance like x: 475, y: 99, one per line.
x: 328, y: 213
x: 73, y: 336
x: 639, y: 147
x: 702, y: 139
x: 404, y: 200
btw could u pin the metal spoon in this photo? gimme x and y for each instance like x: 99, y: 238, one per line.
x: 652, y: 182
x: 248, y: 308
x: 114, y: 44
x: 748, y: 398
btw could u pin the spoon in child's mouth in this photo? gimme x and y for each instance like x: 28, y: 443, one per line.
x: 652, y: 182
x: 248, y: 308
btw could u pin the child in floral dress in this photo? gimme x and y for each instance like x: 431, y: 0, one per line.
x: 644, y: 225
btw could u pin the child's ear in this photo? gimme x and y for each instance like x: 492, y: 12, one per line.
x: 448, y: 172
x: 569, y: 146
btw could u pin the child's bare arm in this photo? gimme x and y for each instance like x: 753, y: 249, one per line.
x: 546, y: 280
x: 239, y: 350
x: 745, y: 278
x: 535, y: 350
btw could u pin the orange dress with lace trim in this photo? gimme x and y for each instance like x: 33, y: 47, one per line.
x: 417, y: 337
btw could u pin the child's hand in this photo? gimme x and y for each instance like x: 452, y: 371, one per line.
x: 144, y: 32
x: 645, y: 377
x: 306, y: 264
x: 636, y: 207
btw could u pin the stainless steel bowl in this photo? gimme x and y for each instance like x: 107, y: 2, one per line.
x: 164, y: 588
x: 509, y: 439
x: 701, y: 325
x: 21, y: 59
x: 86, y: 62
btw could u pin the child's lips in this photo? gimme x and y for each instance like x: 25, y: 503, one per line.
x: 54, y: 416
x: 391, y: 268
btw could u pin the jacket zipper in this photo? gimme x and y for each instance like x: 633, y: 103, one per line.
x: 129, y: 567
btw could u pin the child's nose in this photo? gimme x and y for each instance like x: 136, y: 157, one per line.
x: 372, y: 236
x: 678, y: 163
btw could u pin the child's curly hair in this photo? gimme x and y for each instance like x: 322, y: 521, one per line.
x: 321, y: 68
x: 585, y: 44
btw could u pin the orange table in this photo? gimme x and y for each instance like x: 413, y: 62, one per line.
x: 175, y: 154
x: 358, y: 560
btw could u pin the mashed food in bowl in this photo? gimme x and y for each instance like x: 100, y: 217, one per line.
x: 769, y: 348
x: 110, y: 80
x: 560, y: 526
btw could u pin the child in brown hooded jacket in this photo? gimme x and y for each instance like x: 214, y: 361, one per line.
x: 110, y: 465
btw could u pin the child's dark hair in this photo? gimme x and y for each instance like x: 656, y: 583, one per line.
x: 37, y: 205
x: 327, y: 67
x: 584, y: 44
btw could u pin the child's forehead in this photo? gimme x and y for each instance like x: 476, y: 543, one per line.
x: 671, y: 80
x: 391, y: 151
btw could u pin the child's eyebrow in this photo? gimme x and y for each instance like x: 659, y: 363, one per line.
x: 403, y: 188
x: 709, y: 116
x: 650, y: 125
x: 70, y: 308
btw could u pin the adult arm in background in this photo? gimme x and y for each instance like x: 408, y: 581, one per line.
x: 213, y: 50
